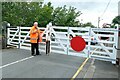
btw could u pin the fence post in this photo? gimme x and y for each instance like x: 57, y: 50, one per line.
x: 50, y: 26
x: 68, y: 35
x: 8, y: 35
x: 4, y: 35
x: 19, y: 33
x: 115, y: 45
x: 89, y: 43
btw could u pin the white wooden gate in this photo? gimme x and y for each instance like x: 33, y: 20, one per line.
x: 60, y: 41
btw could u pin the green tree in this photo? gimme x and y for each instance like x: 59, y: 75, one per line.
x: 65, y: 17
x: 116, y: 20
x: 45, y: 15
x: 88, y: 24
x: 24, y: 13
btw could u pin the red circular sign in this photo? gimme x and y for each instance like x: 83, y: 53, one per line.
x: 78, y: 43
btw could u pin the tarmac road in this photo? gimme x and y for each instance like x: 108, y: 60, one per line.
x: 53, y: 66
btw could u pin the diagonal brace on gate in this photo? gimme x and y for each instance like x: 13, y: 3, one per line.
x: 58, y: 40
x: 25, y: 37
x: 14, y: 35
x: 103, y: 46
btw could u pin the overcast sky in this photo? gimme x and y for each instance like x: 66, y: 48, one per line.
x: 91, y: 9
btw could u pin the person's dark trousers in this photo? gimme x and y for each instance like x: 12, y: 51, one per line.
x: 47, y: 47
x: 34, y: 46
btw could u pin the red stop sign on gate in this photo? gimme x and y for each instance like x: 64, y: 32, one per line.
x: 78, y: 43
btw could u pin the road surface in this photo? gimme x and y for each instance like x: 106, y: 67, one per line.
x: 18, y: 63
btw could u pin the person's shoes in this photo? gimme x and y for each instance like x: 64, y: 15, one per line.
x: 33, y: 55
x: 38, y: 54
x: 47, y: 54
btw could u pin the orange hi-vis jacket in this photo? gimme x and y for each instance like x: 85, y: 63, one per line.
x: 34, y: 34
x: 41, y: 32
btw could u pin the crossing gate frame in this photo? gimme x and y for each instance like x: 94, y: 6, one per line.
x: 60, y: 41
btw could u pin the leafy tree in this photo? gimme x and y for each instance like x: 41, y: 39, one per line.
x: 24, y: 13
x: 65, y: 17
x: 88, y: 24
x: 45, y: 14
x: 116, y: 20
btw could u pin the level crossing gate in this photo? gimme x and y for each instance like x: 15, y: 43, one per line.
x: 60, y: 41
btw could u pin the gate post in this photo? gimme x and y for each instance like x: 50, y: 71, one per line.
x: 68, y: 43
x: 19, y: 33
x: 8, y: 35
x: 50, y: 26
x: 114, y: 56
x: 89, y: 43
x: 118, y: 51
x: 4, y: 34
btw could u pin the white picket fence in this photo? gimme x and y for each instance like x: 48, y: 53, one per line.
x: 60, y: 41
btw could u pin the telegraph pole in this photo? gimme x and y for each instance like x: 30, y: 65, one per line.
x: 98, y: 22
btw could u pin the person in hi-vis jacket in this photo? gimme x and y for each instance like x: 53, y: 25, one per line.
x: 48, y: 39
x: 34, y: 39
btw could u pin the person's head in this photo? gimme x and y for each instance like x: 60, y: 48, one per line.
x: 35, y: 24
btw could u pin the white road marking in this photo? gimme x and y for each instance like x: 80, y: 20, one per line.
x: 16, y: 62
